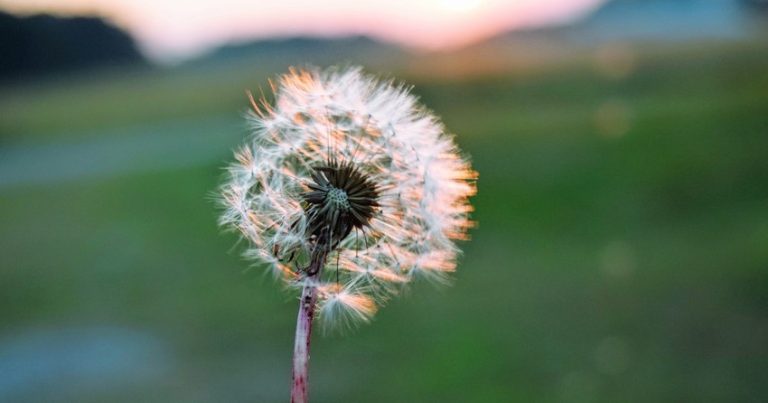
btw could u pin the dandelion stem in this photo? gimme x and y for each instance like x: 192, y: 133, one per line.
x: 300, y: 388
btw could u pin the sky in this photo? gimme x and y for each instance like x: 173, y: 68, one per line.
x: 169, y: 30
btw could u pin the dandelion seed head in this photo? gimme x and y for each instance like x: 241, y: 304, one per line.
x: 356, y: 168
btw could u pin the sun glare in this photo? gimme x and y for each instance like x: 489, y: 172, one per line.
x: 201, y: 25
x: 460, y: 6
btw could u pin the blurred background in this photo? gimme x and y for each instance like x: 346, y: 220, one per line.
x: 622, y: 247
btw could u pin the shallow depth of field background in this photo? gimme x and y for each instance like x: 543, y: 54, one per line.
x: 621, y: 253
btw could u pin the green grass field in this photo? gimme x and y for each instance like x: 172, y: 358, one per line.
x: 621, y: 253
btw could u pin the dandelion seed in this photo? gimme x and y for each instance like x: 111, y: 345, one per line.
x: 340, y: 152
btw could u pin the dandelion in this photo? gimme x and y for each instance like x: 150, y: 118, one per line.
x: 348, y: 189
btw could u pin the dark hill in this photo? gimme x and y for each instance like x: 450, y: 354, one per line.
x: 656, y: 21
x: 43, y: 44
x: 302, y: 50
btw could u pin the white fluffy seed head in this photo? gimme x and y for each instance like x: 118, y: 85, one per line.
x: 422, y: 188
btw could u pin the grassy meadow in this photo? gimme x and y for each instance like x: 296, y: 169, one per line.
x: 621, y: 252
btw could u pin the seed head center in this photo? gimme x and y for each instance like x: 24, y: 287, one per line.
x: 338, y: 198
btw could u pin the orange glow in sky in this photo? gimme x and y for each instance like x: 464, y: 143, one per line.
x: 172, y: 29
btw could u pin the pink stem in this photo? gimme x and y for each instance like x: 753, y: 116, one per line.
x: 300, y: 388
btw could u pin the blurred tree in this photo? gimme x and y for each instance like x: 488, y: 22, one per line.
x: 43, y: 44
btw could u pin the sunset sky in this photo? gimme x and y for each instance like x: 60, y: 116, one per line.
x: 171, y: 29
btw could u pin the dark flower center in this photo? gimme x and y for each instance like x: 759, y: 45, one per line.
x: 341, y: 198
